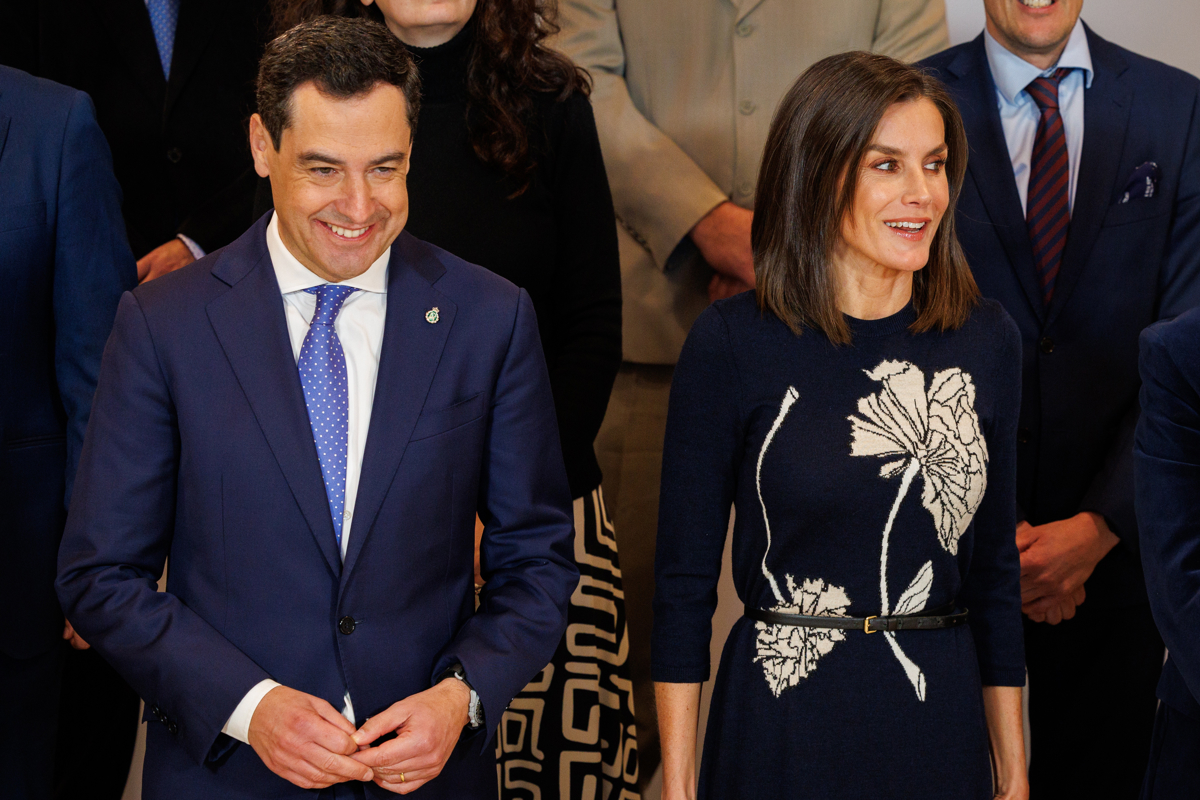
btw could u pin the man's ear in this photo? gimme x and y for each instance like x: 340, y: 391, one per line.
x: 261, y: 146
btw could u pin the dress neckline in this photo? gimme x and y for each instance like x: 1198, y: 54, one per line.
x: 883, y: 326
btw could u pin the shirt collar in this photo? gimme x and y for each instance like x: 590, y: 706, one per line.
x: 295, y: 277
x: 1013, y: 73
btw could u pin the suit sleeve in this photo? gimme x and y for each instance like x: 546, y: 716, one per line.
x: 701, y: 453
x: 659, y: 192
x: 117, y: 538
x: 583, y: 343
x: 527, y: 555
x: 1167, y: 456
x: 1111, y: 492
x: 92, y: 267
x: 911, y: 30
x: 992, y: 586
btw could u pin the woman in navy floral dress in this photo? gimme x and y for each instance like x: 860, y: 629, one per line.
x: 860, y: 414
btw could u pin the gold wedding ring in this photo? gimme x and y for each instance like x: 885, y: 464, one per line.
x: 402, y: 777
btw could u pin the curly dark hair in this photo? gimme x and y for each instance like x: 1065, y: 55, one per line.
x: 509, y: 66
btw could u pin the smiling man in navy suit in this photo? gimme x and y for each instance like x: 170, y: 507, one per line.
x: 1081, y: 214
x: 307, y: 422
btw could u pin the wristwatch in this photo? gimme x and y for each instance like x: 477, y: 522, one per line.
x: 475, y: 708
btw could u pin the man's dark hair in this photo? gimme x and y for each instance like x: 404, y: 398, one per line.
x: 343, y: 57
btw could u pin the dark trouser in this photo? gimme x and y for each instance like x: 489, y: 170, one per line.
x: 29, y: 690
x: 1174, y: 769
x: 1091, y: 702
x: 98, y: 722
x: 629, y: 448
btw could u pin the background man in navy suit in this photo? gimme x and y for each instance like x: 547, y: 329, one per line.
x: 1081, y: 214
x: 308, y: 422
x: 1167, y: 454
x: 64, y: 263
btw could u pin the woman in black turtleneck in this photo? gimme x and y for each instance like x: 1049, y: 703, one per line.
x: 507, y: 173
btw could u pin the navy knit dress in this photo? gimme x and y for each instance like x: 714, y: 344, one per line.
x: 869, y: 479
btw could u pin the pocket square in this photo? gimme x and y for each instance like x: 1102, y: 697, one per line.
x: 1142, y: 183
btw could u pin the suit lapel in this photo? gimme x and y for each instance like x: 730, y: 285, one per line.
x: 250, y: 324
x: 409, y: 356
x: 129, y: 28
x: 197, y: 23
x: 991, y: 167
x: 1106, y: 116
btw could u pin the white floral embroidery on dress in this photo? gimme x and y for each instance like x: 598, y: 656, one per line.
x: 789, y: 653
x: 935, y: 433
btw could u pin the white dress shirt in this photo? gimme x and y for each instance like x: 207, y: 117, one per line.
x: 359, y: 327
x: 1019, y: 115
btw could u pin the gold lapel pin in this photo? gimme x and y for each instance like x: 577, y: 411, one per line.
x: 432, y: 315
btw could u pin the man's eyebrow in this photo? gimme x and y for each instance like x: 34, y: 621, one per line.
x: 315, y: 156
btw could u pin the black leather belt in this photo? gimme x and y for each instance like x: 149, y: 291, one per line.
x: 904, y: 622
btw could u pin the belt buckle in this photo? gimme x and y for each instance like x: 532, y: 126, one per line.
x: 867, y: 624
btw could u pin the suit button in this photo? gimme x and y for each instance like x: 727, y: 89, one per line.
x: 172, y: 728
x: 1023, y: 435
x: 1046, y: 345
x: 174, y: 155
x: 744, y: 30
x: 747, y: 107
x: 346, y: 625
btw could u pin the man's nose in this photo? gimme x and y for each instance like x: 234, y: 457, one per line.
x: 356, y: 202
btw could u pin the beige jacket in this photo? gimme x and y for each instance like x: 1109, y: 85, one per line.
x: 684, y: 94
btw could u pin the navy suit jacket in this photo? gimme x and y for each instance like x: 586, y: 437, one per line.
x: 200, y: 448
x: 64, y: 263
x: 1168, y: 499
x: 1125, y: 266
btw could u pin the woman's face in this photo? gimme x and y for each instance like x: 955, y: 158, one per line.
x: 902, y: 193
x: 425, y: 23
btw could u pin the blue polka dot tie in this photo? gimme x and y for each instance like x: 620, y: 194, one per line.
x: 323, y: 375
x: 164, y: 16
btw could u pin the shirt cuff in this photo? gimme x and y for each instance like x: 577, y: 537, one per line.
x: 238, y: 725
x: 196, y: 250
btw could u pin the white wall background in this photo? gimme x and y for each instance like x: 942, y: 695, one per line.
x: 1168, y: 30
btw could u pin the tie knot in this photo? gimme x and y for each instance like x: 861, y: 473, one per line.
x: 330, y: 297
x: 1044, y: 90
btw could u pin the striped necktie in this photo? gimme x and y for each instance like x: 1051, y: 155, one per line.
x: 1047, y: 207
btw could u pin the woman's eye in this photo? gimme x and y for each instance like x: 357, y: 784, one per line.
x: 936, y: 166
x: 886, y: 166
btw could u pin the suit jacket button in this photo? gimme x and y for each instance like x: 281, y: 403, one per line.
x: 174, y: 155
x: 172, y: 728
x: 1023, y: 435
x: 346, y: 625
x: 1046, y: 345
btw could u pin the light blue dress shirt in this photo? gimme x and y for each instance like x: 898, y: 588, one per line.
x: 1019, y: 114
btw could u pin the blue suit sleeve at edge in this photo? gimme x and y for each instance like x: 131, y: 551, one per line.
x: 117, y: 538
x: 1167, y: 456
x: 92, y: 267
x: 527, y: 554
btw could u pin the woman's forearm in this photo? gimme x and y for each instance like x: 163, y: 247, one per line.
x: 678, y: 714
x: 1006, y: 730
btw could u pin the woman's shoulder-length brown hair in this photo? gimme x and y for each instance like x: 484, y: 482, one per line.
x: 818, y: 138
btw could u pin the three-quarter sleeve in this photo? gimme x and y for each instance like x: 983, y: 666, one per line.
x: 992, y: 584
x: 583, y: 350
x: 699, y: 475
